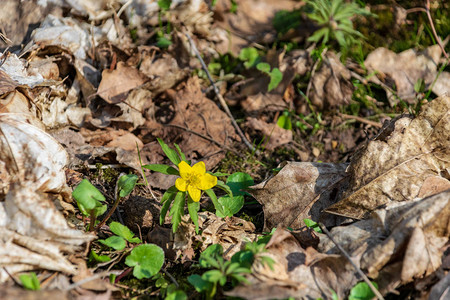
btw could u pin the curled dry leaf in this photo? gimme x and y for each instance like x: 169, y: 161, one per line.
x: 31, y: 156
x: 400, y: 163
x: 274, y: 135
x: 392, y: 247
x: 14, y: 72
x: 65, y: 33
x: 34, y: 234
x: 331, y: 85
x: 403, y: 70
x: 399, y: 244
x: 116, y: 84
x: 299, y: 191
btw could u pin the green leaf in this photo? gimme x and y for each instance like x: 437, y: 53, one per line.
x: 165, y: 169
x: 319, y: 34
x: 166, y: 200
x: 99, y: 258
x: 163, y: 43
x: 240, y: 278
x: 311, y: 224
x: 284, y: 20
x: 263, y: 67
x: 362, y: 291
x: 164, y: 4
x: 199, y: 283
x: 214, y: 68
x: 115, y: 242
x: 30, y: 281
x: 183, y: 157
x: 126, y: 184
x: 212, y: 276
x: 275, y: 78
x: 177, y: 210
x: 146, y: 259
x: 214, y: 251
x: 170, y: 153
x: 284, y: 122
x: 244, y: 258
x: 214, y: 200
x: 218, y: 174
x: 238, y: 182
x: 249, y: 56
x: 230, y: 205
x: 124, y: 231
x: 193, y: 208
x: 88, y: 197
x: 225, y: 187
x: 177, y: 295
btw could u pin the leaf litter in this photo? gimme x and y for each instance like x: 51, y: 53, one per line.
x: 99, y: 92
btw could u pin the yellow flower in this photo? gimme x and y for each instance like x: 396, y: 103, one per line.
x: 194, y: 179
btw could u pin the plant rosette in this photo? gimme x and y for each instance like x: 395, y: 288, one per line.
x: 192, y: 181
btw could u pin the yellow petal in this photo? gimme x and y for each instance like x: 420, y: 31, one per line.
x: 206, y: 182
x: 199, y: 168
x: 185, y: 169
x: 194, y: 192
x: 181, y: 184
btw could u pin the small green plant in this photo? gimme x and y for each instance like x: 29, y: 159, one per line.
x: 334, y: 18
x: 146, y: 260
x: 89, y: 198
x: 249, y: 56
x: 221, y: 271
x: 231, y: 205
x: 123, y: 235
x: 30, y: 281
x: 275, y: 75
x: 313, y: 225
x: 362, y: 291
x: 284, y: 121
x: 192, y: 181
x: 163, y: 38
x: 93, y: 256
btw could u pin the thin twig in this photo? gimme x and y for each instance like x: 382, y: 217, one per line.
x: 219, y: 96
x: 143, y: 174
x: 171, y: 277
x: 88, y: 279
x: 204, y: 137
x: 360, y: 272
x: 361, y: 120
x: 430, y: 19
x: 12, y: 277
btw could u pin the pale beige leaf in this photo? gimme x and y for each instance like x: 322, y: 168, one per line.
x: 395, y: 166
x: 31, y: 155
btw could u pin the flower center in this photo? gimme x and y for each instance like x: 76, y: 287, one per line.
x: 193, y: 179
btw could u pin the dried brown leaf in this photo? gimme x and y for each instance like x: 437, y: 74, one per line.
x: 116, y: 84
x: 331, y: 85
x: 395, y: 166
x: 273, y: 134
x: 299, y: 191
x: 404, y: 69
